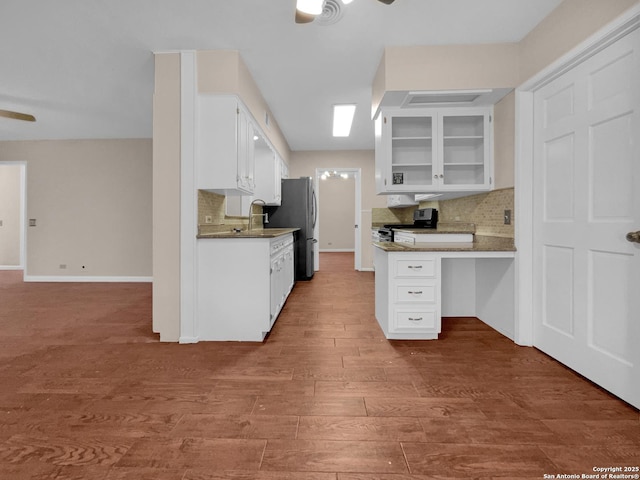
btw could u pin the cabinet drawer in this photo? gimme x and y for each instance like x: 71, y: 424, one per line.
x: 424, y: 292
x: 423, y: 320
x: 422, y: 267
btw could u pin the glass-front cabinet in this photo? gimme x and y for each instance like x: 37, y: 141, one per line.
x: 433, y: 150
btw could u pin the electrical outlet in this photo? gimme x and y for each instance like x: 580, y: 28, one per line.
x: 507, y: 217
x: 208, y: 219
x: 32, y: 222
x: 0, y: 223
x: 63, y: 266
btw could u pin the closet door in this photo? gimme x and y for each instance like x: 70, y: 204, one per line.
x: 586, y: 201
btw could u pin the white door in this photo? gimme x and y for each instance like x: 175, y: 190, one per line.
x: 586, y: 200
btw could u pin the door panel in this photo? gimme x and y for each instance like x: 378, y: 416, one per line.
x: 586, y: 199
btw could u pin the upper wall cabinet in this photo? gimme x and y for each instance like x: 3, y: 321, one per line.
x: 434, y: 150
x: 268, y: 172
x: 225, y: 146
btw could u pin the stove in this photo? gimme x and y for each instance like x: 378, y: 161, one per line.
x: 426, y: 218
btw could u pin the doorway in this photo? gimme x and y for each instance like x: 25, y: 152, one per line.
x: 342, y: 194
x: 12, y: 215
x: 578, y: 199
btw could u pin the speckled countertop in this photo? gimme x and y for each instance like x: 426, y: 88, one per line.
x: 481, y: 243
x: 257, y: 233
x: 443, y: 227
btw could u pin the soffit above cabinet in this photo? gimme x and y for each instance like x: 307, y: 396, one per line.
x: 442, y: 98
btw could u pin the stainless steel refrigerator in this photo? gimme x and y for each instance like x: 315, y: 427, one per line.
x: 298, y: 209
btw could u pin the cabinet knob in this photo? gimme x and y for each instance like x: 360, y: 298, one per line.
x: 441, y: 176
x: 435, y: 176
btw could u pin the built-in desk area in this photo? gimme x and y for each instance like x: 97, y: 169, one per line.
x: 417, y: 284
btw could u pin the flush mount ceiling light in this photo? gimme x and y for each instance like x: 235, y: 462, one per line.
x: 308, y: 10
x: 334, y: 174
x: 342, y: 119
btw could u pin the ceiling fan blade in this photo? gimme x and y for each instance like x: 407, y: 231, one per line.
x: 387, y: 2
x: 17, y: 115
x: 302, y: 17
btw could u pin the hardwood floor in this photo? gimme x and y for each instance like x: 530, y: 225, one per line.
x: 88, y: 392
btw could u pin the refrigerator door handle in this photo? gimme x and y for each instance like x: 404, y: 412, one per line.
x: 315, y: 208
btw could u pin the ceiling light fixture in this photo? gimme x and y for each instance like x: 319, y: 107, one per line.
x: 342, y: 119
x: 312, y: 7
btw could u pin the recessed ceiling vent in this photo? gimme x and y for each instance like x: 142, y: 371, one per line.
x: 425, y: 99
x: 331, y: 13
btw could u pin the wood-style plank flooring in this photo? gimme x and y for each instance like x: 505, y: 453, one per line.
x: 88, y: 392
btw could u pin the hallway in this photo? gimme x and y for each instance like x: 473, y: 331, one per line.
x: 89, y: 392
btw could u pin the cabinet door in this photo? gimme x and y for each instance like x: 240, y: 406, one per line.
x: 275, y: 287
x: 464, y: 149
x: 245, y: 139
x: 267, y: 173
x: 407, y: 144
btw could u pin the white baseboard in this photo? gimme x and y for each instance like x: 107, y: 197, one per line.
x: 338, y: 250
x: 188, y: 340
x: 69, y: 278
x: 367, y: 269
x: 11, y: 267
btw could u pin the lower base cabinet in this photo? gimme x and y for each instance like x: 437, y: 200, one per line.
x: 407, y: 295
x: 242, y: 285
x: 415, y: 288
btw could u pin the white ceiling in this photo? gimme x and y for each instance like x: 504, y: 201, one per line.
x: 84, y: 68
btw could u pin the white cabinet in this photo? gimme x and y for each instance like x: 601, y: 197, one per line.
x: 225, y: 146
x: 434, y: 150
x: 410, y: 291
x: 281, y: 276
x: 407, y: 295
x: 242, y: 284
x: 268, y: 173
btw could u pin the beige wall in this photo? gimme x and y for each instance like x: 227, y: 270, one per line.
x: 10, y: 200
x: 91, y: 200
x: 336, y: 208
x: 166, y: 197
x: 566, y: 27
x: 446, y: 67
x: 504, y: 124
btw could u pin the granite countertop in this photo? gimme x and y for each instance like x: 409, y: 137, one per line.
x: 443, y: 227
x: 481, y: 243
x: 257, y: 233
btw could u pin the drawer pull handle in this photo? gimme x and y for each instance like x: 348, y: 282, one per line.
x: 419, y: 319
x: 415, y: 293
x: 415, y: 266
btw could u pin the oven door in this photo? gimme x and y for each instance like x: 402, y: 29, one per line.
x: 385, y: 235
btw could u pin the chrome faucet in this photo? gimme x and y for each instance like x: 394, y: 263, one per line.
x: 257, y: 201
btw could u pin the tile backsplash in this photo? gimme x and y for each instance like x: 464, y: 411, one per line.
x: 214, y: 205
x: 485, y: 210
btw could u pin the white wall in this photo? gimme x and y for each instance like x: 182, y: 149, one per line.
x: 10, y: 179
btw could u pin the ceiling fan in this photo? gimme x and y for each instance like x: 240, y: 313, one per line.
x: 17, y: 115
x: 308, y: 10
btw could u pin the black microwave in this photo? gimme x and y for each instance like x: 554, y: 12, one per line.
x: 426, y: 217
